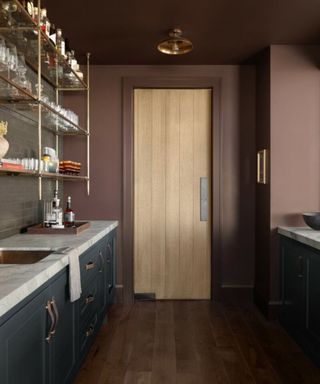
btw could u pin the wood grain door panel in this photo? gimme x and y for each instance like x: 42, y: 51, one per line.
x: 172, y: 151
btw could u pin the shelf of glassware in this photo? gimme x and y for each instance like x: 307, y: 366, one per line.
x: 46, y: 175
x: 18, y: 28
x: 23, y: 103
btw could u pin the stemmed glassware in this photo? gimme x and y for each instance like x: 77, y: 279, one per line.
x: 21, y: 78
x: 9, y: 7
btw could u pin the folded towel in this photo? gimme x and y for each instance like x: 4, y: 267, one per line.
x: 74, y: 276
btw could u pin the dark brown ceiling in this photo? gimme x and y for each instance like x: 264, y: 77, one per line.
x: 223, y: 31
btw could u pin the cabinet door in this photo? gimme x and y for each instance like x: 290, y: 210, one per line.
x: 63, y: 346
x: 314, y: 295
x: 293, y: 312
x: 24, y: 350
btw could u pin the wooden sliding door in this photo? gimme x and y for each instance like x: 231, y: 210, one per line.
x: 172, y: 192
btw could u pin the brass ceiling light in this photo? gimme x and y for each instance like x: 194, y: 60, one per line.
x: 176, y: 44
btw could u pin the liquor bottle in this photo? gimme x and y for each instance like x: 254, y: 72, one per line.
x: 35, y: 14
x: 30, y: 8
x: 60, y: 43
x: 67, y: 46
x: 44, y: 22
x: 69, y: 215
x: 53, y: 34
x: 73, y: 62
x: 57, y: 212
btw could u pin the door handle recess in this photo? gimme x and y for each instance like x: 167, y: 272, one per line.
x: 204, y: 199
x: 90, y: 265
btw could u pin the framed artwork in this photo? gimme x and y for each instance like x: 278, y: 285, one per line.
x: 262, y: 167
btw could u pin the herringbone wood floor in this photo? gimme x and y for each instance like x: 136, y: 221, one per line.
x: 193, y: 342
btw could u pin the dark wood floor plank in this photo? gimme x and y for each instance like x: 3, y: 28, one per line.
x: 96, y: 361
x: 290, y: 363
x: 143, y: 337
x: 254, y: 355
x: 209, y: 360
x: 184, y: 341
x: 234, y: 362
x: 164, y: 354
x: 193, y: 342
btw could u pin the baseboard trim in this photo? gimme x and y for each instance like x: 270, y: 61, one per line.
x: 236, y: 293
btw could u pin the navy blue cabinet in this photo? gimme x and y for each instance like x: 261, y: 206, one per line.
x: 37, y: 343
x: 314, y: 295
x: 300, y: 310
x: 47, y: 337
x: 63, y: 345
x: 24, y: 355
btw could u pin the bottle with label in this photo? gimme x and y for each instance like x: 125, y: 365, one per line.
x: 69, y: 215
x: 30, y: 8
x: 35, y: 14
x: 44, y: 22
x: 57, y: 212
x: 61, y: 47
x: 53, y: 34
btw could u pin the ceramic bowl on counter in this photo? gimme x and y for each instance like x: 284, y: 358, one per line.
x: 312, y: 219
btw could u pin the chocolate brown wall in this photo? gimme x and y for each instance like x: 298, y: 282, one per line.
x: 237, y: 156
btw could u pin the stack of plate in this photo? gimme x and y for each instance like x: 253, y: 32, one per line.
x: 69, y: 167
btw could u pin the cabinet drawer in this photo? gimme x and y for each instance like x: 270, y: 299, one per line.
x: 88, y: 301
x: 87, y: 334
x: 90, y: 263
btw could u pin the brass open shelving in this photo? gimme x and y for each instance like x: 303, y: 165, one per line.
x: 45, y: 175
x: 19, y: 29
x: 42, y: 57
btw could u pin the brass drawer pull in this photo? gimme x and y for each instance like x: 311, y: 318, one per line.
x: 56, y: 312
x: 90, y: 265
x: 89, y: 299
x: 52, y: 319
x: 90, y: 331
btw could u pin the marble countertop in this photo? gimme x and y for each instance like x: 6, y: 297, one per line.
x: 304, y: 235
x: 19, y: 281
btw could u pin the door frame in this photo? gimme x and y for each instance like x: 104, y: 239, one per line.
x: 128, y: 86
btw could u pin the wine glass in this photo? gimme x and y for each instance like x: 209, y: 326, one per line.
x: 9, y: 7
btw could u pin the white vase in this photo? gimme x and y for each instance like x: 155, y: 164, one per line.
x: 4, y: 146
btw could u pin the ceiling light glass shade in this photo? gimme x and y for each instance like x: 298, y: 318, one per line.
x: 176, y: 44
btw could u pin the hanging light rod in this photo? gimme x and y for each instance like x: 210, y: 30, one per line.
x: 176, y: 44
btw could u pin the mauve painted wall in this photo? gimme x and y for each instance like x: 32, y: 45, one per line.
x: 295, y: 141
x: 237, y: 156
x: 288, y: 122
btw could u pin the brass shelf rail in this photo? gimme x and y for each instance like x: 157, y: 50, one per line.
x: 43, y: 58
